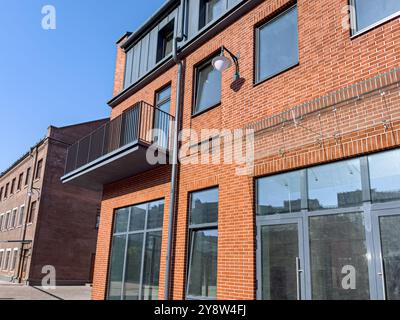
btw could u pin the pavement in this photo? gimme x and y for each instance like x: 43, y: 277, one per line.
x: 11, y: 291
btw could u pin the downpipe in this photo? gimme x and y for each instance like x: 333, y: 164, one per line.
x: 175, y: 155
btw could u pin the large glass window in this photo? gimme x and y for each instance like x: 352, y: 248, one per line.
x: 369, y: 12
x: 277, y: 45
x: 135, y: 254
x: 279, y: 194
x: 202, y: 275
x: 335, y: 185
x: 208, y: 87
x: 338, y: 251
x: 385, y: 184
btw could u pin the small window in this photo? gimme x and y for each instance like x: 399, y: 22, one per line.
x: 210, y: 10
x: 1, y: 258
x: 14, y: 260
x: 6, y: 190
x: 165, y: 41
x: 277, y: 45
x: 21, y: 215
x: 7, y: 260
x: 1, y: 222
x: 20, y: 180
x: 7, y: 221
x: 12, y: 186
x: 369, y: 13
x: 202, y: 274
x: 1, y: 193
x: 28, y: 176
x: 39, y: 166
x: 32, y: 212
x: 208, y: 87
x: 14, y: 218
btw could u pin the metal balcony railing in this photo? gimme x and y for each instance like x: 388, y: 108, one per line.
x: 132, y: 126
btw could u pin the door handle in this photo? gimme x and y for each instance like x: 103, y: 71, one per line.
x: 298, y: 277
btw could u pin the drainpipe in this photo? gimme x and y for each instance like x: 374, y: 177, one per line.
x: 175, y: 152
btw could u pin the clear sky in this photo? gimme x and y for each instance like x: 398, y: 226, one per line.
x: 62, y: 76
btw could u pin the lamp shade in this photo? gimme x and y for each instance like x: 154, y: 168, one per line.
x: 221, y: 63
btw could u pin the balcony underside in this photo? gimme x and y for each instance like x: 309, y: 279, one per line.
x: 122, y: 163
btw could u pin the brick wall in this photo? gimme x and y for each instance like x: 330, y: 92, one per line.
x: 329, y: 60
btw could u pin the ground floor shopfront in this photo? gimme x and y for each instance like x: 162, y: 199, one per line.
x: 324, y: 232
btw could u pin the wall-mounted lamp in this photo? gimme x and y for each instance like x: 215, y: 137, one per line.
x: 221, y: 63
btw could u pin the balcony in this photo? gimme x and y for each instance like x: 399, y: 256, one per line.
x: 118, y: 149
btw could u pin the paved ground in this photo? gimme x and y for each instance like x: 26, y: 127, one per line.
x: 10, y: 291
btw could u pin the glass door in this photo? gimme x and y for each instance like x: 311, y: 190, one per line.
x: 280, y: 260
x: 387, y: 239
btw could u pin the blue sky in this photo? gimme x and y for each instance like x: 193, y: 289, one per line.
x: 58, y: 77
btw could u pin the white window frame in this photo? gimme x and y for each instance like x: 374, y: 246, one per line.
x: 19, y: 216
x: 7, y: 223
x: 353, y: 20
x: 2, y: 259
x: 7, y: 261
x: 15, y: 252
x: 15, y: 210
x: 2, y: 216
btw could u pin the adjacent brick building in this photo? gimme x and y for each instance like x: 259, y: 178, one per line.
x: 44, y: 222
x: 315, y: 214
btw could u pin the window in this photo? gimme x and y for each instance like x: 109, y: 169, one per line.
x: 203, y: 252
x: 14, y: 260
x: 6, y: 190
x: 28, y: 176
x: 14, y: 218
x: 335, y: 185
x: 1, y: 258
x: 20, y: 178
x: 12, y: 186
x: 135, y: 254
x: 165, y: 41
x: 7, y: 260
x: 32, y: 212
x: 210, y: 10
x: 21, y: 215
x: 162, y: 117
x: 1, y: 221
x: 1, y: 193
x: 279, y: 194
x: 208, y: 87
x: 7, y: 221
x: 39, y: 169
x: 277, y: 45
x: 97, y: 219
x: 369, y: 13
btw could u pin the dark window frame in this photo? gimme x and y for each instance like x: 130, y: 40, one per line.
x: 39, y: 169
x: 165, y: 35
x: 20, y: 179
x: 196, y: 71
x: 28, y: 176
x: 32, y: 211
x: 256, y: 37
x: 193, y: 228
x: 203, y: 13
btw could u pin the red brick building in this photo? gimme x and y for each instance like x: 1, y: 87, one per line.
x: 43, y: 222
x: 313, y: 216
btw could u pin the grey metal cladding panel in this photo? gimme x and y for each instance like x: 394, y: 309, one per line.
x: 193, y: 18
x: 136, y: 61
x: 152, y: 48
x: 144, y: 54
x: 128, y: 69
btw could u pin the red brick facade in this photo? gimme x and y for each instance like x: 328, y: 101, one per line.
x: 329, y: 59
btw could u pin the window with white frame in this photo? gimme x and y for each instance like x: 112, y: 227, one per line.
x: 14, y: 218
x: 366, y: 14
x: 1, y: 258
x: 21, y: 215
x: 7, y: 221
x: 14, y: 259
x: 7, y: 260
x: 1, y: 221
